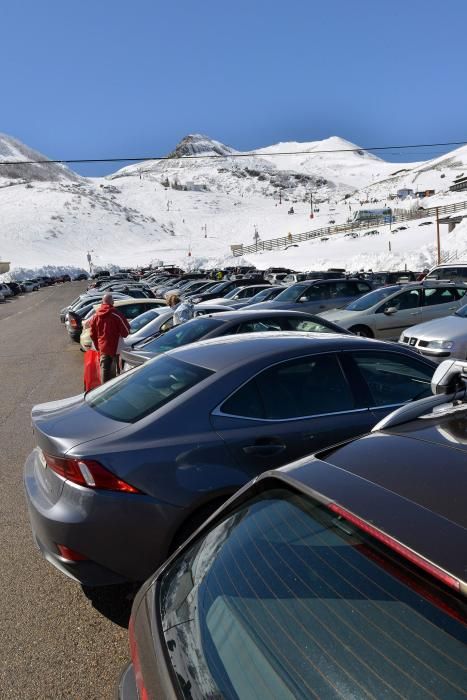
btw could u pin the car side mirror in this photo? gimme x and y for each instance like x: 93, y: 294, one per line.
x: 390, y: 310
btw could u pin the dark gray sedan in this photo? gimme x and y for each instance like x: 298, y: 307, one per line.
x: 220, y: 324
x: 315, y: 296
x: 342, y: 575
x: 121, y: 476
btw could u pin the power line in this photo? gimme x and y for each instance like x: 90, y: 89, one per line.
x: 142, y: 159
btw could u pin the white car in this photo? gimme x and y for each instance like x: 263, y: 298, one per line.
x: 30, y: 286
x: 441, y: 339
x: 5, y: 290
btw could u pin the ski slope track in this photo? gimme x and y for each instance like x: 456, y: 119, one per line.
x: 189, y: 208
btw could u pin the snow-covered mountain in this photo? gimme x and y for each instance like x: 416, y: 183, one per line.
x: 16, y: 167
x: 204, y: 196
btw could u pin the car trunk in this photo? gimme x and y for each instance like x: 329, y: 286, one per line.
x: 62, y: 425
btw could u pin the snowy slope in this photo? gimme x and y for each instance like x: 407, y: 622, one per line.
x: 189, y: 209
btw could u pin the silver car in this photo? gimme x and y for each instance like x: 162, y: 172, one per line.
x: 385, y: 312
x: 440, y: 339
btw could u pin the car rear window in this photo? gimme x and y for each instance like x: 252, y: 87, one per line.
x: 134, y: 395
x: 283, y: 600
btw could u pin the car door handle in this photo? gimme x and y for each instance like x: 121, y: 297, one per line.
x: 265, y: 450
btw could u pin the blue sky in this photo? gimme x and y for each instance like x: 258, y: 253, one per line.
x: 101, y: 78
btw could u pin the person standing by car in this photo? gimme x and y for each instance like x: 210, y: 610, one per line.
x: 107, y: 327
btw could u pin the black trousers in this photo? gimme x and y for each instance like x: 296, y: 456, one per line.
x: 108, y: 365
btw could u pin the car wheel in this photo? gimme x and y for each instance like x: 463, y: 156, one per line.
x: 364, y: 331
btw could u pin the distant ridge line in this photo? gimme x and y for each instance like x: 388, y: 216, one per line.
x: 143, y: 159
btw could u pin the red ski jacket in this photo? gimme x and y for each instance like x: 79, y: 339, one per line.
x: 107, y: 327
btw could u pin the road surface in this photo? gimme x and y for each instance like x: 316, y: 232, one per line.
x: 55, y: 644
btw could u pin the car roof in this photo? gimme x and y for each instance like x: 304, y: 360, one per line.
x: 244, y: 348
x: 132, y: 300
x: 409, y: 481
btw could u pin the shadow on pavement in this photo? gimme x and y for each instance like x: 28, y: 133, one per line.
x: 114, y: 602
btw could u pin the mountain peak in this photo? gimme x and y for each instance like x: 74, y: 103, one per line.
x: 15, y: 153
x: 198, y: 144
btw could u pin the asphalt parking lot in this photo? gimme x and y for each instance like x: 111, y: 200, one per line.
x: 55, y: 642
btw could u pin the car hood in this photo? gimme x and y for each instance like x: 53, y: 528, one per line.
x: 341, y: 316
x: 447, y: 328
x: 62, y: 425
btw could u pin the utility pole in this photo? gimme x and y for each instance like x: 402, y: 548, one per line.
x: 205, y: 229
x: 311, y: 205
x: 438, y: 243
x: 280, y: 196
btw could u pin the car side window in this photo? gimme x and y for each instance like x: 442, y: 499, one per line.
x: 409, y: 299
x: 438, y: 295
x: 342, y: 289
x: 363, y: 288
x: 315, y: 293
x: 461, y: 292
x: 264, y: 324
x: 132, y: 310
x: 297, y: 388
x: 393, y: 378
x: 304, y: 325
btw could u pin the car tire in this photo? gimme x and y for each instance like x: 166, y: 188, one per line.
x: 363, y: 331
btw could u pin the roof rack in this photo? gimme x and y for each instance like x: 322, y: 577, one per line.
x: 449, y: 386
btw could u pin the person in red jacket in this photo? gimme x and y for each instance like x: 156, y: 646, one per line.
x: 107, y: 327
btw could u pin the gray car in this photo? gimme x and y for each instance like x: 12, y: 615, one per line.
x: 315, y: 296
x: 342, y: 575
x: 440, y: 339
x: 242, y: 321
x: 121, y: 476
x: 385, y: 312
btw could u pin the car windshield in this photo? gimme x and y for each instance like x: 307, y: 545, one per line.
x: 462, y: 312
x: 134, y: 395
x: 180, y: 335
x: 143, y: 319
x: 219, y: 287
x: 291, y: 293
x: 264, y: 294
x: 284, y: 600
x: 370, y: 299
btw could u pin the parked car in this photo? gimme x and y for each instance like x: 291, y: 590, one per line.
x: 222, y: 288
x: 5, y: 290
x: 239, y: 294
x: 155, y: 322
x: 440, y: 339
x: 314, y: 296
x: 386, y: 279
x: 122, y: 475
x: 340, y: 575
x: 82, y: 276
x: 15, y: 288
x: 30, y: 286
x: 130, y: 308
x: 454, y: 272
x: 75, y: 317
x: 222, y: 324
x: 386, y: 312
x: 266, y: 294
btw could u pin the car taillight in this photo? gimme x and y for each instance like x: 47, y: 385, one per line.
x: 73, y: 322
x: 396, y: 546
x: 88, y: 472
x: 142, y: 692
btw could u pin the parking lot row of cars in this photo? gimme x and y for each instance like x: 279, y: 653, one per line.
x: 12, y: 289
x: 277, y: 564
